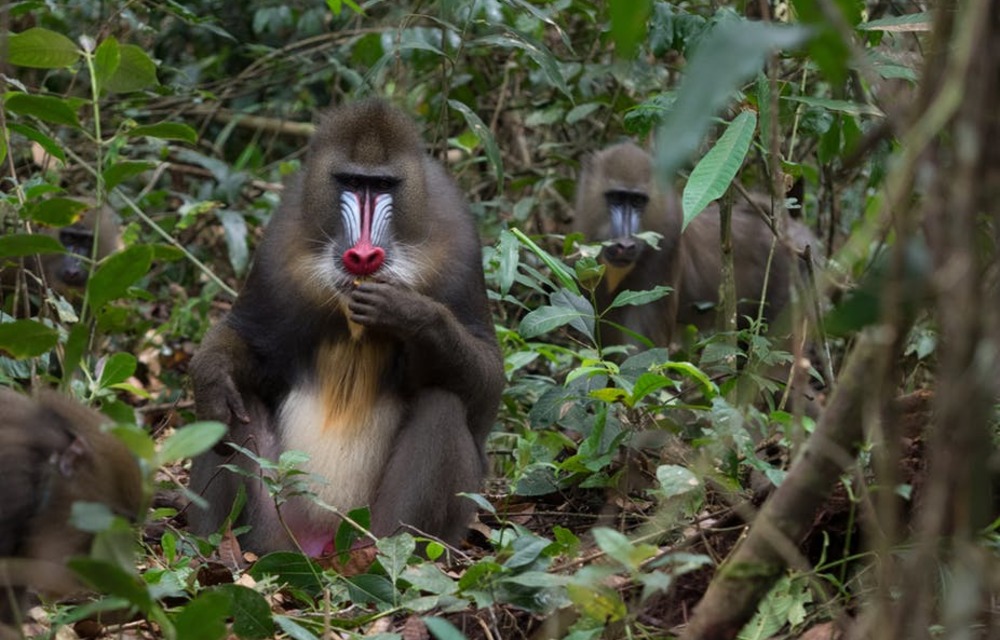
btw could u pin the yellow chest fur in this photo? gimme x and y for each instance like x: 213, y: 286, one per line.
x: 345, y: 420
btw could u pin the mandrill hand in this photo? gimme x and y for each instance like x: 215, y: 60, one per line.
x: 402, y: 312
x: 219, y: 399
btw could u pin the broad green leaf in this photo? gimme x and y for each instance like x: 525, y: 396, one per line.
x: 546, y: 318
x: 619, y: 547
x: 116, y: 274
x: 123, y: 170
x: 648, y: 383
x: 234, y: 226
x: 190, y: 441
x: 687, y: 369
x: 527, y: 549
x: 57, y: 212
x: 597, y: 601
x: 26, y: 338
x: 566, y: 299
x: 636, y: 298
x: 91, y: 516
x: 107, y: 59
x: 116, y: 369
x: 251, y: 613
x: 165, y: 131
x: 676, y: 480
x: 731, y: 53
x: 204, y: 617
x: 136, y: 71
x: 113, y: 580
x: 394, y: 552
x: 75, y: 347
x: 27, y: 244
x: 291, y: 628
x: 581, y: 111
x: 47, y: 108
x: 137, y: 439
x: 485, y: 136
x: 629, y: 22
x: 370, y: 588
x: 51, y: 146
x: 41, y: 49
x: 291, y: 568
x: 715, y: 172
x: 441, y: 629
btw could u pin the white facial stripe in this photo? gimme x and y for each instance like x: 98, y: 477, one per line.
x: 350, y: 213
x: 381, y: 218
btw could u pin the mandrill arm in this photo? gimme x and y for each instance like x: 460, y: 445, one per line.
x: 462, y: 358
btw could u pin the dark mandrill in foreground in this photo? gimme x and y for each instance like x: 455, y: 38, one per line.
x: 362, y: 337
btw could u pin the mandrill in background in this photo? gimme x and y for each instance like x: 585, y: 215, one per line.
x: 618, y: 197
x: 67, y: 273
x: 53, y: 453
x: 362, y: 337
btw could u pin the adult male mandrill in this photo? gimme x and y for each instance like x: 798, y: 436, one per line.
x: 362, y: 337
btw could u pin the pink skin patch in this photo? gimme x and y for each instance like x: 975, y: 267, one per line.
x: 366, y: 216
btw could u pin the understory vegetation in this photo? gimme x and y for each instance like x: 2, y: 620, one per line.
x: 633, y: 493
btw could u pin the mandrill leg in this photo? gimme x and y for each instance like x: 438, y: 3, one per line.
x: 433, y: 459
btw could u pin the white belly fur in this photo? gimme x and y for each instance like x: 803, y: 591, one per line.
x: 349, y: 456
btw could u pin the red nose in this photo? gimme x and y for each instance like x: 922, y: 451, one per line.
x: 363, y: 260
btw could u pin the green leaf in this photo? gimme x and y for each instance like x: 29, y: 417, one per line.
x: 546, y: 318
x: 629, y: 22
x: 165, y: 131
x: 76, y: 345
x: 715, y: 172
x: 441, y: 629
x: 117, y: 273
x: 19, y: 245
x: 637, y: 298
x: 369, y: 588
x: 123, y: 170
x: 107, y: 59
x: 136, y: 71
x: 291, y: 568
x: 204, y: 617
x: 136, y: 439
x: 581, y: 111
x: 676, y: 480
x: 51, y: 146
x: 648, y: 383
x: 234, y: 226
x: 41, y: 49
x: 251, y: 613
x: 116, y: 369
x: 57, y: 212
x: 113, y: 580
x: 559, y: 270
x: 46, y: 108
x: 619, y: 547
x: 26, y: 338
x: 732, y: 52
x: 291, y: 628
x: 190, y: 441
x: 394, y: 553
x: 485, y: 136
